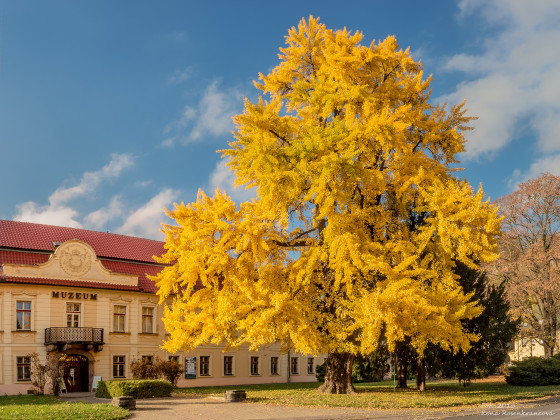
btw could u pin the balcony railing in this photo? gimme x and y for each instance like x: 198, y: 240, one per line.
x: 68, y: 335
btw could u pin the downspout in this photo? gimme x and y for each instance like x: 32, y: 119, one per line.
x: 289, y: 368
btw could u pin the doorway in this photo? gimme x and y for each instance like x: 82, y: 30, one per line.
x: 74, y: 369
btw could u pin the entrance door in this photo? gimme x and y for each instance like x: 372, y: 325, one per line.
x: 74, y: 369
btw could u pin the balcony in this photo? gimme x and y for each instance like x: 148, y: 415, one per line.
x: 65, y: 338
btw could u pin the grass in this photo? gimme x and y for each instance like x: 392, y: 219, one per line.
x: 47, y: 407
x: 383, y: 395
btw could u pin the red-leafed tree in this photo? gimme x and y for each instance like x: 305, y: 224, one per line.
x: 529, y: 256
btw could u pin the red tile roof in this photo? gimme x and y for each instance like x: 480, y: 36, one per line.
x: 27, y: 243
x: 17, y: 257
x: 35, y: 236
x: 139, y: 269
x: 69, y: 283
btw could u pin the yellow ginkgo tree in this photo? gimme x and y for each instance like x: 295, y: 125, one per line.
x: 357, y: 222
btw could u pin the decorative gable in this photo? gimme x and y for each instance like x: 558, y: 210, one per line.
x: 72, y: 260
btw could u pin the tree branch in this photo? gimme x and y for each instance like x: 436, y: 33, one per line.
x: 279, y: 137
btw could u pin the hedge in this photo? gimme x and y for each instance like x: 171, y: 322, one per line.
x: 137, y: 388
x: 535, y: 371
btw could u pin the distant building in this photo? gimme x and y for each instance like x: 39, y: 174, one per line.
x: 525, y: 346
x: 84, y: 295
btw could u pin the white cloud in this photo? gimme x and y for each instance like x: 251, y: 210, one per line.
x: 90, y: 180
x: 143, y: 184
x: 215, y: 111
x: 58, y: 211
x: 146, y: 220
x: 187, y: 115
x: 222, y: 178
x: 143, y: 221
x: 98, y: 219
x: 515, y: 77
x: 48, y: 215
x: 180, y: 76
x: 546, y: 164
x: 211, y: 117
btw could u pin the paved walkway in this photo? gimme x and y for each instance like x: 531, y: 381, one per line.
x: 188, y: 407
x: 215, y: 409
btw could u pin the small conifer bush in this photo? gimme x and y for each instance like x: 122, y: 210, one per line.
x: 535, y: 371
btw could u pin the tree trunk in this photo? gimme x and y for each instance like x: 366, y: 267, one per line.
x: 420, y: 374
x: 338, y: 376
x: 548, y: 349
x: 402, y: 367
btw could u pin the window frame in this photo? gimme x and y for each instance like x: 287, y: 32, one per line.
x: 204, y: 361
x: 230, y: 364
x: 276, y: 364
x: 255, y: 365
x: 23, y: 366
x: 24, y: 313
x: 119, y: 315
x: 119, y: 365
x: 73, y: 314
x: 296, y: 365
x: 150, y: 317
x: 310, y: 365
x: 148, y: 358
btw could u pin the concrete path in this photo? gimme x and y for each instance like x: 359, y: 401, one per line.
x: 189, y: 407
x: 215, y: 409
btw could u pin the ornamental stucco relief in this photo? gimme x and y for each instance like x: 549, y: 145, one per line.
x: 75, y: 260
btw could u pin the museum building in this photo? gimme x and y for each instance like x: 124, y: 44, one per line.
x: 85, y: 296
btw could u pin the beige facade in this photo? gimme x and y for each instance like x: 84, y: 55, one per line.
x: 102, y: 328
x: 48, y: 309
x: 524, y: 348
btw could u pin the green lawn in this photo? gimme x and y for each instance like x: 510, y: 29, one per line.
x: 47, y: 407
x: 383, y: 395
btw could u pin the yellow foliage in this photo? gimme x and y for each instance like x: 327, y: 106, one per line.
x: 358, y: 219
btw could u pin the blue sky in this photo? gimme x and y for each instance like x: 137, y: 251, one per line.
x: 110, y: 111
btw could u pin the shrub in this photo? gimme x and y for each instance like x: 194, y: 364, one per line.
x: 320, y: 371
x: 170, y: 370
x: 38, y: 373
x: 41, y: 373
x: 155, y: 368
x: 371, y: 368
x: 535, y: 371
x: 145, y: 388
x: 144, y: 368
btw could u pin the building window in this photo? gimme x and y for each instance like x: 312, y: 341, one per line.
x: 228, y: 365
x: 204, y: 366
x: 294, y: 366
x: 147, y: 319
x: 254, y: 365
x: 119, y: 318
x: 23, y: 315
x: 73, y: 315
x: 149, y: 360
x: 118, y: 366
x: 310, y: 365
x: 274, y: 365
x: 174, y: 358
x: 24, y: 368
x: 524, y: 342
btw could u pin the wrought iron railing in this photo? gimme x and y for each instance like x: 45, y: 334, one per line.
x: 56, y: 335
